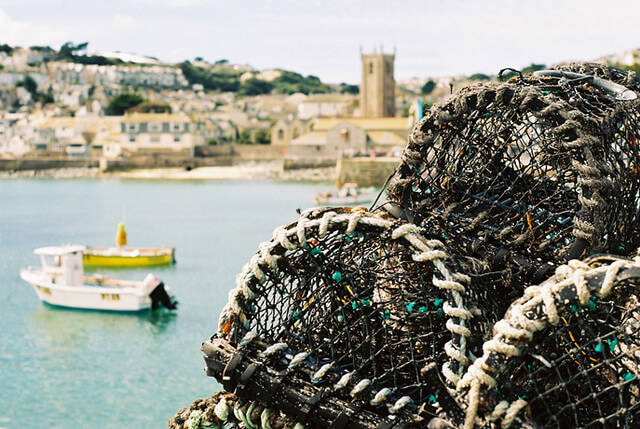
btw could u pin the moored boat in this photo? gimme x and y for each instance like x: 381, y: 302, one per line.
x: 349, y: 193
x: 128, y: 256
x: 121, y: 256
x: 60, y: 281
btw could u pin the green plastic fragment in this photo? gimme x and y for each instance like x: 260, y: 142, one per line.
x: 575, y: 308
x: 316, y: 251
x: 613, y: 344
x: 598, y: 347
x: 628, y: 376
x: 422, y: 309
x: 592, y: 303
x: 296, y: 315
x: 386, y: 315
x: 337, y: 276
x: 347, y: 238
x: 440, y: 312
x: 410, y: 306
x: 354, y: 304
x: 366, y: 302
x: 545, y: 92
x: 438, y: 302
x: 340, y: 317
x: 432, y: 399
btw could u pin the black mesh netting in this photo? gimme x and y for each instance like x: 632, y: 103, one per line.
x: 471, y: 296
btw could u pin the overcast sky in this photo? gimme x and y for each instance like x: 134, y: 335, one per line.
x: 324, y: 37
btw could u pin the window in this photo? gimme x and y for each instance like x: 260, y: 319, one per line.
x: 281, y: 134
x: 132, y: 139
x: 155, y: 127
x: 132, y: 127
x: 176, y: 139
x: 371, y: 67
x: 177, y: 127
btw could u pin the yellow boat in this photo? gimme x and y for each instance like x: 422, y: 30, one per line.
x: 128, y: 256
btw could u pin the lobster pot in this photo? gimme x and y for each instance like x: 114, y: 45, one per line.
x: 567, y: 353
x: 350, y: 302
x: 523, y: 175
x: 497, y: 286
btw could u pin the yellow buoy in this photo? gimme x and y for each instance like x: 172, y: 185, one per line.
x: 121, y: 235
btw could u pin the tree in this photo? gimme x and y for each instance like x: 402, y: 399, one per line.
x: 262, y: 137
x: 151, y: 107
x: 255, y: 86
x: 289, y: 82
x: 119, y: 104
x: 68, y: 50
x: 428, y: 87
x: 244, y: 137
x: 30, y: 85
x: 533, y: 67
x: 211, y: 79
x: 349, y: 89
x: 6, y: 49
x: 479, y: 76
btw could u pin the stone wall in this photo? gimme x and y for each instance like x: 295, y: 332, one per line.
x: 366, y: 171
x: 22, y: 164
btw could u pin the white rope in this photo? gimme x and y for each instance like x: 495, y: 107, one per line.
x: 324, y: 223
x: 512, y: 413
x: 518, y: 327
x: 451, y: 376
x: 381, y: 396
x: 319, y: 375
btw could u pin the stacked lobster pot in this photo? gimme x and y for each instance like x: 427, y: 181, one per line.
x: 496, y: 286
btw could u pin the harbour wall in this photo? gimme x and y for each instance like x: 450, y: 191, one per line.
x: 366, y: 171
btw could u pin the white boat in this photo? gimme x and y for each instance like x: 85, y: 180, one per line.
x: 60, y: 281
x: 349, y: 193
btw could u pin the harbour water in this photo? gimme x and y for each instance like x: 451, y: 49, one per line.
x: 68, y: 368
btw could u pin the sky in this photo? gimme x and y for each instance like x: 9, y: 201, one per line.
x: 324, y: 38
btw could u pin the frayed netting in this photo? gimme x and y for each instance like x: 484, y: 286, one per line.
x: 474, y: 295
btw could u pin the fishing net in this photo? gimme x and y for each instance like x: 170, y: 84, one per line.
x: 422, y: 313
x: 525, y: 175
x: 567, y: 353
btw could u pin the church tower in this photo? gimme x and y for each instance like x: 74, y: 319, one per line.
x: 377, y: 91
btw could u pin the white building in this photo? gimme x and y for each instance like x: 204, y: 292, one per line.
x: 157, y: 133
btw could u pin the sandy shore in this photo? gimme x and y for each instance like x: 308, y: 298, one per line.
x: 238, y: 172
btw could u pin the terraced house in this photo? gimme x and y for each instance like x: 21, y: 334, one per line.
x: 159, y: 134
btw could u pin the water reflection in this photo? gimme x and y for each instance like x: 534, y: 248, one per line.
x: 73, y: 326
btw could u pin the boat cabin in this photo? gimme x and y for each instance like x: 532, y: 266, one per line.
x: 62, y: 263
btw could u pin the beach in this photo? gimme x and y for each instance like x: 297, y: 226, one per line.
x: 251, y: 171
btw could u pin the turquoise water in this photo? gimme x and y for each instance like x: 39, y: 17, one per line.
x: 67, y: 368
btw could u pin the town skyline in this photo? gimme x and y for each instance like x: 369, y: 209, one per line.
x: 324, y: 38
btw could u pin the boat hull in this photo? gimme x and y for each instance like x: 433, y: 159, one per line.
x: 130, y: 257
x: 88, y: 297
